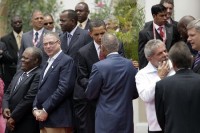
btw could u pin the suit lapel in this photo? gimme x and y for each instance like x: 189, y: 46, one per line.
x: 93, y: 53
x: 169, y: 33
x: 51, y: 68
x: 13, y: 41
x: 74, y: 38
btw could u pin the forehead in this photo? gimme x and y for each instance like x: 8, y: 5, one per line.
x: 80, y: 7
x: 49, y: 37
x: 159, y: 48
x: 47, y: 18
x: 167, y: 5
x: 37, y: 14
x: 98, y: 29
x: 17, y: 18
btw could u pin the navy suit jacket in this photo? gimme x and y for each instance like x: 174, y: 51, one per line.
x: 55, y: 92
x: 87, y: 56
x: 112, y: 83
x: 177, y: 100
x: 27, y: 41
x: 147, y: 34
x: 20, y: 101
x: 79, y: 39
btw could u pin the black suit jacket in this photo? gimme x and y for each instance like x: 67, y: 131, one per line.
x: 79, y: 39
x: 147, y: 34
x: 10, y: 67
x: 177, y: 100
x: 20, y: 101
x: 87, y: 56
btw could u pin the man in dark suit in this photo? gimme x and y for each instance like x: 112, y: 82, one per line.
x: 13, y: 42
x: 19, y: 97
x: 111, y: 83
x: 73, y: 37
x: 34, y: 37
x: 156, y: 29
x: 87, y: 56
x: 194, y: 39
x: 52, y: 106
x: 83, y: 11
x: 177, y: 97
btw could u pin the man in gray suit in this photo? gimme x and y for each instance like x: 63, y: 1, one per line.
x: 112, y: 83
x: 34, y: 37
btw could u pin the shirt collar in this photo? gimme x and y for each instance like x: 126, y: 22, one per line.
x: 72, y: 32
x: 27, y: 73
x: 112, y: 53
x: 39, y: 31
x: 157, y: 26
x: 83, y: 23
x: 55, y: 56
x: 15, y: 33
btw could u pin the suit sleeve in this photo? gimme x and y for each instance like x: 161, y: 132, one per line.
x: 65, y: 86
x: 94, y: 84
x: 82, y: 75
x: 26, y: 103
x: 5, y: 56
x: 159, y: 105
x: 141, y: 44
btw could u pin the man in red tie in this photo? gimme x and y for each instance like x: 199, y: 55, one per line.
x: 152, y: 30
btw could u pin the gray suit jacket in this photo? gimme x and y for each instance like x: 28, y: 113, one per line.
x: 27, y: 41
x: 79, y: 39
x: 112, y: 83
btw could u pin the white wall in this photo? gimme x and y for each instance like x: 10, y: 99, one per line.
x: 186, y: 7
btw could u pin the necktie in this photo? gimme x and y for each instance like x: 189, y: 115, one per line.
x: 69, y: 36
x: 161, y: 31
x: 81, y: 26
x: 197, y: 60
x: 36, y: 36
x: 20, y: 79
x: 18, y: 41
x: 101, y: 55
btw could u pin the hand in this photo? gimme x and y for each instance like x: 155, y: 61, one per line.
x: 42, y: 115
x: 135, y: 64
x: 36, y: 112
x: 6, y: 113
x: 10, y: 124
x: 163, y: 69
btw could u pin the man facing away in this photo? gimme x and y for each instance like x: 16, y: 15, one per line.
x: 157, y: 68
x: 19, y: 97
x: 112, y: 84
x: 177, y: 97
x: 52, y: 106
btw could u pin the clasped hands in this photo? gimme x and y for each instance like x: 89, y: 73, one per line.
x: 10, y: 121
x: 163, y: 69
x: 40, y: 115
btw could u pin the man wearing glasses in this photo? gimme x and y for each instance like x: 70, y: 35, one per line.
x: 50, y: 25
x: 52, y: 105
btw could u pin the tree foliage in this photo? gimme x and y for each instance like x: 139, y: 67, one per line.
x: 24, y: 8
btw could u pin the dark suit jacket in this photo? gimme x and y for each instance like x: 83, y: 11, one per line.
x: 177, y: 102
x: 87, y: 56
x: 27, y: 41
x: 87, y: 25
x: 79, y: 39
x: 147, y: 34
x: 112, y: 82
x: 20, y: 101
x: 10, y: 67
x: 55, y: 92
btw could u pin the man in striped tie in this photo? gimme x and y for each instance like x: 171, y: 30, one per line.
x: 193, y: 29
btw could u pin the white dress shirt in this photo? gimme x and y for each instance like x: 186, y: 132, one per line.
x: 146, y: 80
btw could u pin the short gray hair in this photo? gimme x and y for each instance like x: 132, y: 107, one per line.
x: 150, y: 47
x: 194, y: 24
x: 110, y: 42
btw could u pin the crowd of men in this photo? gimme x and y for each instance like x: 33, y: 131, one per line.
x: 77, y: 80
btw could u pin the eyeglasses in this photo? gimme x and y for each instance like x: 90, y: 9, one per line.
x: 49, y: 23
x: 49, y: 43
